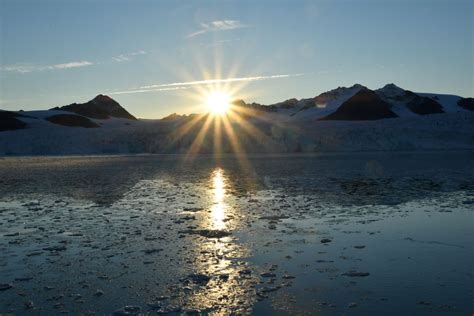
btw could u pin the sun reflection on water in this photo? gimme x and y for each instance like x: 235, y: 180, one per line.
x: 228, y: 291
x: 218, y: 210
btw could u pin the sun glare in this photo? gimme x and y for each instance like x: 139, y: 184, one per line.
x: 218, y: 102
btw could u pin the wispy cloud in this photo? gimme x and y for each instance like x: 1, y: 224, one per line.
x: 19, y: 68
x: 27, y: 68
x: 145, y: 90
x: 186, y: 84
x: 225, y: 80
x: 23, y: 68
x: 221, y: 25
x: 129, y: 56
x: 74, y: 64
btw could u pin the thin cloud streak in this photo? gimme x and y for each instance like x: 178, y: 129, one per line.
x: 129, y: 56
x: 220, y: 25
x: 74, y: 64
x: 24, y: 68
x: 27, y: 68
x: 185, y: 85
x: 146, y: 90
x: 227, y: 80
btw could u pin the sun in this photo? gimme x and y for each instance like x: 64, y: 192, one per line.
x: 218, y: 102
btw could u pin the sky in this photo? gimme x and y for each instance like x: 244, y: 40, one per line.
x: 161, y: 57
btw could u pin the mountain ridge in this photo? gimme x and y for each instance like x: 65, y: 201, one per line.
x: 402, y: 102
x: 354, y: 103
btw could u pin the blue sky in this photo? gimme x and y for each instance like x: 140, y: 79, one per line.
x: 152, y: 56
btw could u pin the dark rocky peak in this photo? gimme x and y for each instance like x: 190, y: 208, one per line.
x: 421, y: 105
x: 9, y: 121
x: 362, y: 106
x: 466, y: 103
x: 101, y: 107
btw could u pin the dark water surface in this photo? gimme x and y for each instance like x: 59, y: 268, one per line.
x: 333, y: 234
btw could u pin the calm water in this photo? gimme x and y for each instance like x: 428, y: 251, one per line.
x: 333, y: 234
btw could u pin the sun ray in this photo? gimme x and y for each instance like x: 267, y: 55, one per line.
x: 258, y: 115
x: 184, y: 129
x: 236, y: 146
x: 217, y: 64
x: 217, y: 137
x: 250, y: 129
x: 198, y: 141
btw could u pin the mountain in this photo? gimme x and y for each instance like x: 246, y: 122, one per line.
x: 365, y: 105
x: 101, y: 107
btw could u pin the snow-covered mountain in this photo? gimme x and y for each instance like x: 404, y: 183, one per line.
x: 344, y: 119
x: 403, y: 103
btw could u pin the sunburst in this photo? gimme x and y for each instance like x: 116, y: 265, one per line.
x: 225, y: 126
x: 218, y: 102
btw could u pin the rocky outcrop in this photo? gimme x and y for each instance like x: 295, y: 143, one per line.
x: 101, y: 107
x: 398, y: 97
x: 467, y: 103
x: 363, y: 106
x: 9, y: 121
x: 422, y: 105
x: 71, y: 120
